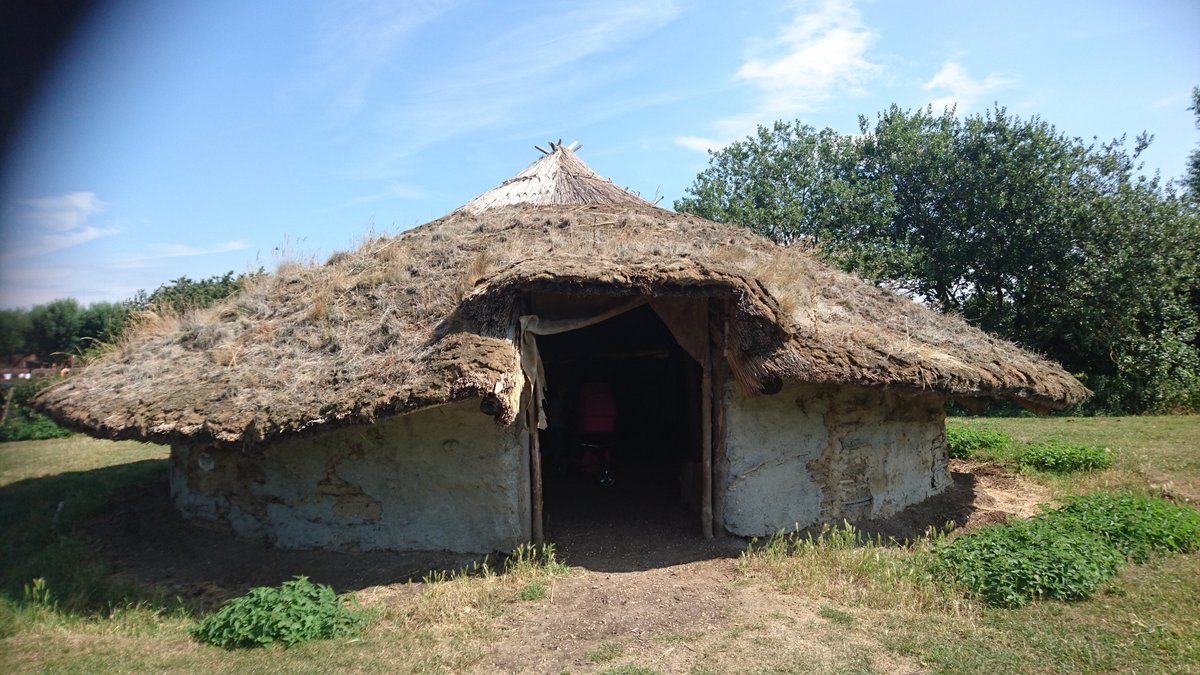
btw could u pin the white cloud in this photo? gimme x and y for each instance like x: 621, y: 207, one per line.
x: 960, y: 88
x: 359, y: 40
x: 700, y: 143
x: 404, y: 191
x: 62, y: 213
x: 503, y: 79
x: 163, y: 251
x: 821, y: 54
x: 1181, y: 99
x: 182, y: 250
x: 47, y: 224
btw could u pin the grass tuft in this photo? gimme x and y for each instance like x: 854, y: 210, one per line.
x: 835, y: 615
x: 607, y: 651
x: 534, y: 590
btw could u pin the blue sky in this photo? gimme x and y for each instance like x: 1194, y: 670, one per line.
x: 197, y: 138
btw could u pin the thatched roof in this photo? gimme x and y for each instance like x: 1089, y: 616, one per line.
x: 559, y: 178
x: 426, y: 317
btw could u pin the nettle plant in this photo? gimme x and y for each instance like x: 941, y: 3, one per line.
x: 1067, y: 553
x: 298, y: 611
x: 1138, y: 527
x: 1009, y: 565
x: 965, y: 442
x: 1057, y: 456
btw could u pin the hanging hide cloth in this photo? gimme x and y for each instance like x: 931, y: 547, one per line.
x: 686, y: 318
x: 531, y: 360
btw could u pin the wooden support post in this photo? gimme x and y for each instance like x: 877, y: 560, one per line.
x: 720, y: 472
x: 535, y: 470
x: 706, y: 438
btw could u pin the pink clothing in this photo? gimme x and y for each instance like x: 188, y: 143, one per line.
x: 597, y: 409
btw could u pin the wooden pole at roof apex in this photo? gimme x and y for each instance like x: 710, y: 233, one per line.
x: 539, y: 149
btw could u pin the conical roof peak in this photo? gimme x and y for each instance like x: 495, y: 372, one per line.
x: 559, y: 177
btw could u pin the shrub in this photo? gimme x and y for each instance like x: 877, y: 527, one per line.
x: 297, y: 611
x: 28, y: 425
x: 963, y: 442
x: 1135, y: 526
x: 1007, y: 565
x: 23, y: 423
x: 1062, y: 457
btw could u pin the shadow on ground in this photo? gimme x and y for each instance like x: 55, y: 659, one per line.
x: 144, y: 539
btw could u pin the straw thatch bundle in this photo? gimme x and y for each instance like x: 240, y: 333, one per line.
x: 426, y: 317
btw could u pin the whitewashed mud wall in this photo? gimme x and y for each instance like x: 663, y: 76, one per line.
x: 821, y: 453
x: 440, y: 479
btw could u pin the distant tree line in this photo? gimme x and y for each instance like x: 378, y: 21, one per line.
x: 62, y: 328
x: 66, y: 327
x: 1056, y: 243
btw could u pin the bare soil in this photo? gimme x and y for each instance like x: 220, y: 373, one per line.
x: 644, y: 580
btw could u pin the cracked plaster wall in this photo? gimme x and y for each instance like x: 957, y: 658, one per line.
x: 821, y: 453
x: 440, y: 479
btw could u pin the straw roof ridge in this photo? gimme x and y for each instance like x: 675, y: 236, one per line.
x: 558, y: 177
x: 426, y: 317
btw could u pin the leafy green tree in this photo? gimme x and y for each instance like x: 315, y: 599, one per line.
x: 55, y: 327
x: 1192, y: 180
x: 1056, y: 243
x: 103, y: 322
x: 14, y: 332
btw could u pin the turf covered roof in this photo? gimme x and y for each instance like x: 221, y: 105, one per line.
x: 426, y: 317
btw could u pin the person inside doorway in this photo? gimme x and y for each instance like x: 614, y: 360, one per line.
x: 597, y: 424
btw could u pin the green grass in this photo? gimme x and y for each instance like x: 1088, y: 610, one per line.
x: 835, y: 615
x: 1154, y: 454
x: 607, y: 651
x: 46, y: 489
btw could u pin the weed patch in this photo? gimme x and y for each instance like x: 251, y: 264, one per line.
x: 23, y: 423
x: 1008, y: 565
x: 630, y: 669
x: 1057, y: 456
x: 534, y: 590
x: 1067, y: 554
x: 298, y: 611
x: 1136, y: 526
x: 966, y: 442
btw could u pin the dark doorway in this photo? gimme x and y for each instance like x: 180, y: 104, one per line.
x: 643, y: 479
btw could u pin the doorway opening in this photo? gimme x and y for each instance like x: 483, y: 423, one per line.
x: 621, y: 454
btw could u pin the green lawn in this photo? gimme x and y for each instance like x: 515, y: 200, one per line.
x: 1159, y: 454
